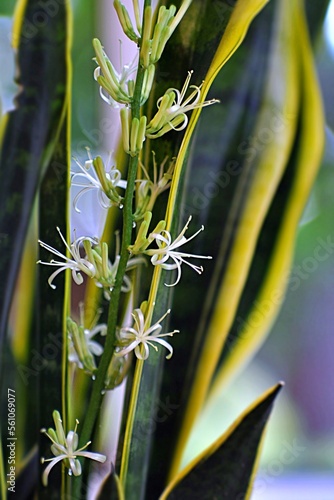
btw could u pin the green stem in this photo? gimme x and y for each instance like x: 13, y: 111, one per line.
x: 99, y: 384
x: 130, y: 421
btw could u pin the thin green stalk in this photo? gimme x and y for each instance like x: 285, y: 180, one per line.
x: 130, y: 421
x: 99, y: 384
x: 136, y: 385
x: 109, y: 347
x: 119, y: 488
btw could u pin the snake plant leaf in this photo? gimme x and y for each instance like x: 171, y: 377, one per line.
x: 111, y: 488
x: 145, y: 413
x: 25, y: 484
x: 34, y: 147
x: 315, y: 14
x: 252, y: 234
x: 225, y: 210
x: 30, y: 131
x: 264, y: 290
x: 235, y: 32
x: 53, y: 304
x: 226, y: 469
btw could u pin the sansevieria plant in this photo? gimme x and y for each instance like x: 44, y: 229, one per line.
x: 114, y: 341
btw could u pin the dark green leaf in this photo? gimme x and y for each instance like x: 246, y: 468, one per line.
x: 51, y: 344
x: 316, y: 12
x: 221, y: 131
x: 226, y: 472
x: 30, y: 134
x: 204, y: 24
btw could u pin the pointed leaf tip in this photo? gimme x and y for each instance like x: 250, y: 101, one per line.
x: 226, y: 468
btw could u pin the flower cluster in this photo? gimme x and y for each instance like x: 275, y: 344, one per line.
x: 77, y: 264
x: 94, y: 263
x: 88, y: 256
x: 153, y: 38
x: 66, y: 448
x: 149, y: 189
x: 118, y: 86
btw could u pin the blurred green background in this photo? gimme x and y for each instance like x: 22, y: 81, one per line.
x: 300, y: 349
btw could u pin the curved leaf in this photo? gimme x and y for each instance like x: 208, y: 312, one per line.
x: 30, y: 131
x: 236, y: 29
x: 148, y: 401
x: 225, y: 470
x: 252, y: 326
x: 257, y: 181
x: 34, y: 144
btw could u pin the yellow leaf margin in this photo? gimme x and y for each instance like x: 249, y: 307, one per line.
x: 220, y: 441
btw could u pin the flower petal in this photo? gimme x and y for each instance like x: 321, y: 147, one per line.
x: 52, y: 463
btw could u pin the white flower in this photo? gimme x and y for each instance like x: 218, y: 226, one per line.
x: 95, y: 263
x: 65, y: 448
x: 95, y: 176
x: 172, y: 109
x: 167, y: 250
x: 77, y: 265
x: 82, y: 347
x: 131, y: 338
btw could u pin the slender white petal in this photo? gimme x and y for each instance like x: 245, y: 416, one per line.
x: 98, y: 457
x: 53, y: 462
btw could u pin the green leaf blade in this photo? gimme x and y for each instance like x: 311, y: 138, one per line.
x: 225, y: 469
x: 30, y: 132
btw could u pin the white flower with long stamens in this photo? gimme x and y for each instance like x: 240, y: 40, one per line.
x: 65, y: 448
x: 172, y: 109
x: 77, y: 264
x: 94, y: 176
x: 132, y: 338
x: 167, y: 250
x: 95, y: 263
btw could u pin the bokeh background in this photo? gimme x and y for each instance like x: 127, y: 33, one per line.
x: 298, y: 454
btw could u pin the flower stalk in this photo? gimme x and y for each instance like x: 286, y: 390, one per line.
x: 109, y: 348
x: 90, y: 256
